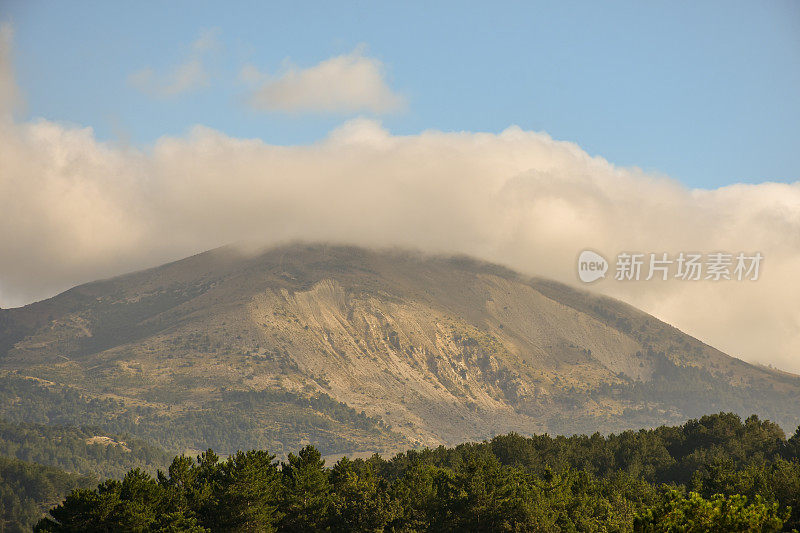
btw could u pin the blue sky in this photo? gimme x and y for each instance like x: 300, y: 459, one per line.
x: 705, y: 92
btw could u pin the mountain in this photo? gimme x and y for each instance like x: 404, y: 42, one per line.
x: 358, y: 350
x: 88, y: 451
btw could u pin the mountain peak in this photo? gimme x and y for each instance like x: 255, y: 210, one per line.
x: 373, y: 350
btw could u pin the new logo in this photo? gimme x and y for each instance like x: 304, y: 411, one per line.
x: 591, y: 266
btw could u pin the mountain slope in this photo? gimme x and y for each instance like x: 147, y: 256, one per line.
x: 354, y: 350
x: 28, y: 490
x: 86, y: 450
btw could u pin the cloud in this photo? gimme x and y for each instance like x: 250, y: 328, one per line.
x: 349, y: 83
x: 187, y: 76
x: 73, y: 209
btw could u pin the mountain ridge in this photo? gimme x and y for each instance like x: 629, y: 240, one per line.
x: 431, y: 349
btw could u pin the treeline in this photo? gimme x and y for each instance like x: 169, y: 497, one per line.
x: 276, y: 420
x: 27, y: 490
x: 713, y: 474
x: 82, y: 450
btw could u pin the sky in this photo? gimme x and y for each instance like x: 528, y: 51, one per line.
x: 705, y: 92
x: 521, y: 133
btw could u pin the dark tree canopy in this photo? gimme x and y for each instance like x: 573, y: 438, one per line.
x: 717, y: 473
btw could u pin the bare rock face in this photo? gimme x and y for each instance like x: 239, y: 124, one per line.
x: 358, y: 350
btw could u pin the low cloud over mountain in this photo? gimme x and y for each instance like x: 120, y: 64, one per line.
x: 73, y: 209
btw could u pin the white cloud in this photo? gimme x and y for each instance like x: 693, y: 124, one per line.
x: 187, y: 76
x: 517, y: 197
x: 73, y: 209
x: 349, y: 83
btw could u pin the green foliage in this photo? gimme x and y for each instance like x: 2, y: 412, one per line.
x: 239, y: 494
x: 276, y: 420
x: 693, y: 513
x: 79, y: 449
x: 361, y: 500
x: 745, y: 476
x: 28, y: 490
x: 306, y: 501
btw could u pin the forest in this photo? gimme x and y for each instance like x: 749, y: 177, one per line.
x: 716, y: 473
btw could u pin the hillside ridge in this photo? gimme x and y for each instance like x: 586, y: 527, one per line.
x: 359, y: 350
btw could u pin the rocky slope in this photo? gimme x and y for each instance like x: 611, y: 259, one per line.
x: 359, y: 350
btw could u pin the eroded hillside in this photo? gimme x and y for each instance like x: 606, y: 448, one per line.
x: 358, y: 350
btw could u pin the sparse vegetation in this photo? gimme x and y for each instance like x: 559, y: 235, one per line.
x: 235, y: 419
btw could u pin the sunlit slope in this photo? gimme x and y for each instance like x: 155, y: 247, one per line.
x: 293, y: 344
